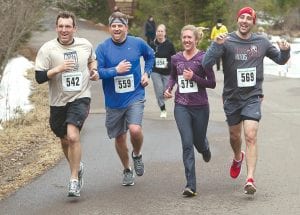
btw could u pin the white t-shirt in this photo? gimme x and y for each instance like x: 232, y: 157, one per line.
x: 69, y: 85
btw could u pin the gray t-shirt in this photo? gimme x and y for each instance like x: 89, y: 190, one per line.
x: 69, y: 85
x: 243, y: 64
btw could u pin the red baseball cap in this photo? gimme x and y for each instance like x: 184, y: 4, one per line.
x: 249, y: 11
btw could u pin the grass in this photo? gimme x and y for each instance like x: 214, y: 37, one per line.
x: 27, y: 145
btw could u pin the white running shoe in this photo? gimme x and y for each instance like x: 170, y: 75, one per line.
x: 74, y: 189
x: 163, y: 114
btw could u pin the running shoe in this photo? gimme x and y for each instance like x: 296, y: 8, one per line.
x: 74, y: 189
x: 163, y: 114
x: 128, y: 177
x: 236, y: 167
x: 206, y: 155
x: 250, y: 187
x: 138, y: 164
x: 188, y: 192
x: 80, y: 175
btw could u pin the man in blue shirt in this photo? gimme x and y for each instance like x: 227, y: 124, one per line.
x: 124, y: 90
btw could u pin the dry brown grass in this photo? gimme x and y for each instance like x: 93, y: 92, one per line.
x: 27, y: 145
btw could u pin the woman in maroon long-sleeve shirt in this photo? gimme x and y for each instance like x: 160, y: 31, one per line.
x: 191, y: 103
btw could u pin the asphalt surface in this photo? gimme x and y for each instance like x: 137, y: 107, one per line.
x: 159, y: 190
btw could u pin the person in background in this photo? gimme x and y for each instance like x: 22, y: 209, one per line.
x: 243, y: 53
x: 218, y: 29
x: 163, y: 49
x: 68, y: 64
x: 116, y: 9
x: 124, y: 90
x: 191, y: 109
x: 261, y: 31
x: 150, y: 28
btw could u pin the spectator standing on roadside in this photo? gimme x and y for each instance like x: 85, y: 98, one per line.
x: 218, y: 29
x: 163, y: 49
x: 243, y: 53
x: 191, y: 102
x: 124, y: 90
x: 150, y: 28
x: 68, y: 64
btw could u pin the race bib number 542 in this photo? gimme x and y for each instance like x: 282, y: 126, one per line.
x: 246, y: 77
x: 72, y: 81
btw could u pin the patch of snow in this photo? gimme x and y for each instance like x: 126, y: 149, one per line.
x: 291, y: 69
x: 15, y: 89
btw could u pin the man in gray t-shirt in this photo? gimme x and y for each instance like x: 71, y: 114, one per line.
x: 242, y: 54
x: 68, y: 64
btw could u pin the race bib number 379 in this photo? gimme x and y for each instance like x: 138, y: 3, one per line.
x: 246, y: 77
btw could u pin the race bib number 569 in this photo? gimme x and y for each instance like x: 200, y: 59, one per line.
x: 246, y: 77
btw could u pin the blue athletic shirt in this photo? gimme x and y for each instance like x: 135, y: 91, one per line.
x: 109, y: 55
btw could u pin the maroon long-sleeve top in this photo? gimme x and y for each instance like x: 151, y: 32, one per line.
x: 203, y: 78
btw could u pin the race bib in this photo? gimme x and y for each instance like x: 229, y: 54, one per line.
x: 124, y: 84
x: 246, y: 77
x: 72, y: 81
x: 186, y: 86
x: 161, y: 63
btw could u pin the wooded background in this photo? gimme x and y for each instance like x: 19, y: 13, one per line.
x: 19, y: 17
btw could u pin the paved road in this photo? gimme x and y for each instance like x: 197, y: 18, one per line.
x: 159, y: 190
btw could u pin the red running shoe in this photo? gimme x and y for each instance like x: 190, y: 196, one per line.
x: 250, y: 187
x: 236, y: 167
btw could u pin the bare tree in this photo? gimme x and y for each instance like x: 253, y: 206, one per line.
x: 17, y: 19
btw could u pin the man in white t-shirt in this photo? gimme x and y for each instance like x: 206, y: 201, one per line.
x: 68, y: 64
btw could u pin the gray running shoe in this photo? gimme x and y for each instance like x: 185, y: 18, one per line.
x: 138, y: 165
x: 74, y: 189
x: 80, y: 175
x: 128, y: 177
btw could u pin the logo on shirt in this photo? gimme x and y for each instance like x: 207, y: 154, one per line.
x: 246, y: 53
x: 72, y: 55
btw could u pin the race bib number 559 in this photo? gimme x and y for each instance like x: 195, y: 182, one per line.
x: 124, y: 84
